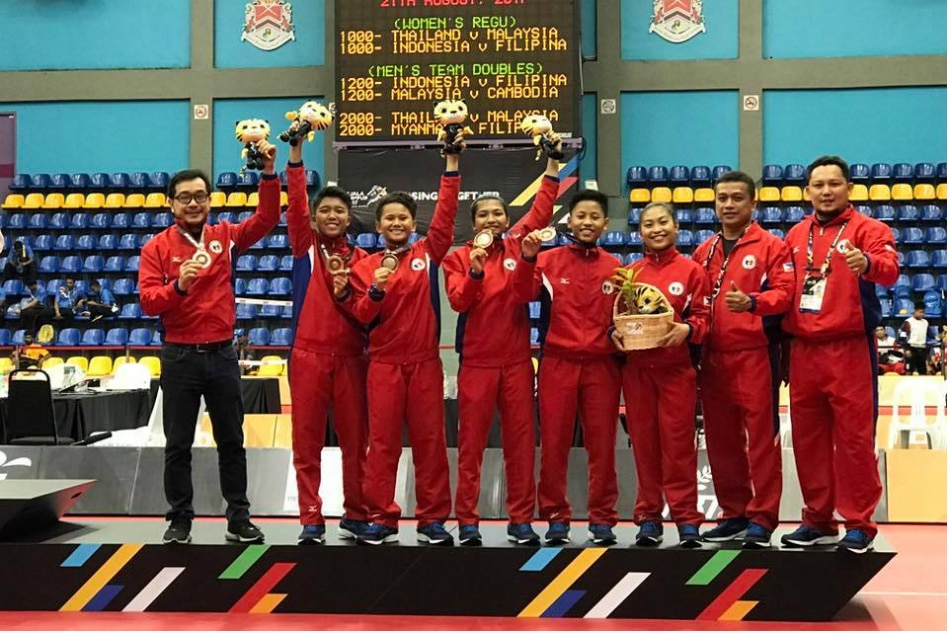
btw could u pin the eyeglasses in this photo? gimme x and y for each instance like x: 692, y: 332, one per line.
x: 185, y: 198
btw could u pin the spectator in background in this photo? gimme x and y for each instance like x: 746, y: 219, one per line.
x: 66, y: 301
x: 245, y: 353
x: 889, y: 357
x: 20, y: 264
x: 914, y: 334
x: 98, y: 302
x: 30, y: 355
x: 34, y: 309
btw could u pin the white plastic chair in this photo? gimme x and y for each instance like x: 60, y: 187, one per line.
x: 919, y: 394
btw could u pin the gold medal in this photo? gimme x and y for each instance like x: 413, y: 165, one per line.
x: 335, y: 263
x: 548, y: 233
x: 202, y: 258
x: 389, y: 261
x: 484, y: 239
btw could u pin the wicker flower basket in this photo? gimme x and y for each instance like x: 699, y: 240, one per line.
x: 640, y: 331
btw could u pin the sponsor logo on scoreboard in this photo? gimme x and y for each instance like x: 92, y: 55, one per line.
x: 677, y: 20
x: 267, y: 24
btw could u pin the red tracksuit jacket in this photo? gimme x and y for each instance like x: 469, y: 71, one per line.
x: 405, y: 321
x: 684, y: 284
x: 850, y: 306
x: 204, y: 314
x: 320, y: 323
x: 761, y: 266
x: 493, y: 327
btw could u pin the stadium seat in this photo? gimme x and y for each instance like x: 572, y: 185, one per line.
x: 704, y: 194
x: 779, y: 233
x: 117, y: 336
x: 613, y: 239
x: 155, y: 200
x: 286, y: 263
x: 142, y: 239
x: 701, y: 236
x: 634, y: 239
x: 79, y: 361
x: 37, y: 221
x: 907, y: 213
x: 636, y: 176
x: 101, y: 220
x: 218, y: 198
x: 769, y: 194
x: 639, y: 196
x: 77, y: 182
x: 924, y: 191
x: 227, y: 180
x: 700, y: 176
x: 287, y: 312
x: 791, y: 193
x: 108, y: 242
x: 793, y: 215
x: 68, y: 337
x: 936, y: 235
x: 5, y: 337
x: 630, y: 258
x: 158, y: 180
x: 49, y: 265
x: 902, y: 172
x: 128, y: 242
x: 267, y: 263
x: 258, y: 336
x: 257, y: 287
x: 880, y: 172
x: 912, y: 235
x: 273, y: 366
x: 121, y: 220
x: 885, y: 213
x: 719, y: 170
x: 225, y: 216
x: 21, y: 182
x: 237, y: 199
x: 902, y: 192
x: 58, y: 181
x: 240, y: 287
x: 12, y: 201
x: 253, y: 200
x: 17, y: 221
x: 658, y: 174
x: 942, y: 191
x: 942, y: 282
x: 99, y: 180
x: 17, y: 338
x: 79, y: 220
x: 119, y: 180
x: 93, y: 336
x: 269, y: 312
x: 142, y: 220
x: 118, y: 361
x: 92, y: 264
x: 132, y: 264
x: 684, y: 237
x: 859, y: 193
x: 633, y: 217
x: 152, y: 363
x: 923, y: 282
x: 366, y: 241
x: 71, y: 264
x: 52, y: 286
x: 535, y: 336
x: 43, y: 243
x: 704, y: 215
x: 772, y: 175
x: 886, y: 307
x: 246, y: 311
x: 74, y: 201
x: 114, y: 201
x: 918, y: 259
x: 140, y: 336
x: 882, y: 292
x: 156, y: 338
x: 903, y: 307
x: 13, y: 288
x: 163, y: 220
x: 100, y: 366
x: 247, y: 263
x: 795, y: 174
x: 86, y: 242
x: 41, y: 182
x: 281, y: 337
x: 879, y: 193
x: 771, y: 215
x: 901, y: 287
x: 64, y: 243
x: 925, y: 171
x: 938, y: 259
x: 682, y: 195
x: 248, y: 180
x: 684, y: 216
x: 933, y: 305
x: 134, y: 201
x: 534, y: 310
x: 931, y: 213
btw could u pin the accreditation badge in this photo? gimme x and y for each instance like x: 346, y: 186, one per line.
x: 813, y: 293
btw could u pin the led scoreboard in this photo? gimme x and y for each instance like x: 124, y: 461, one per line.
x: 395, y: 59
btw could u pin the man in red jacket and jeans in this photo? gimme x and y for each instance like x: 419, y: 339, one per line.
x: 185, y: 278
x: 839, y: 255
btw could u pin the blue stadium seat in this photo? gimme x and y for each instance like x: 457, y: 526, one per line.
x: 704, y: 215
x: 227, y: 180
x: 248, y: 181
x: 795, y: 174
x: 41, y: 182
x: 128, y: 242
x: 885, y: 213
x: 243, y: 215
x: 632, y: 258
x: 918, y: 259
x: 246, y: 311
x: 108, y: 242
x: 903, y: 307
x: 13, y: 288
x: 99, y: 180
x: 269, y: 312
x: 535, y: 336
x: 701, y: 236
x: 902, y: 172
x: 266, y: 262
x: 79, y: 220
x: 925, y: 171
x: 140, y: 337
x: 634, y: 239
x: 119, y: 180
x: 534, y: 309
x: 78, y: 181
x: 281, y: 336
x: 684, y: 237
x: 240, y: 287
x: 933, y: 305
x: 87, y: 243
x: 258, y: 335
x: 68, y: 337
x: 142, y: 220
x: 52, y: 286
x: 49, y: 264
x: 156, y: 338
x: 637, y: 176
x: 286, y: 312
x: 117, y: 336
x: 936, y: 235
x: 138, y: 180
x: 772, y: 175
x: 684, y: 216
x: 901, y: 287
x: 886, y: 307
x: 158, y: 180
x: 679, y: 175
x: 897, y: 234
x: 942, y: 282
x: 131, y: 311
x: 102, y: 220
x: 366, y: 241
x: 719, y: 170
x: 38, y: 221
x: 882, y: 292
x: 247, y: 263
x: 142, y: 239
x: 132, y: 264
x: 779, y: 233
x: 58, y: 182
x: 17, y: 221
x: 21, y: 182
x: 43, y: 243
x: 313, y: 179
x: 120, y: 220
x: 793, y: 215
x: 163, y: 220
x: 286, y: 263
x: 860, y: 172
x: 658, y: 175
x: 280, y: 241
x: 771, y: 215
x: 380, y: 242
x: 257, y: 287
x: 912, y: 235
x: 700, y: 175
x: 880, y: 172
x: 71, y: 264
x: 224, y: 216
x: 922, y: 282
x: 613, y: 239
x: 942, y: 172
x: 93, y: 264
x: 4, y: 337
x: 115, y: 264
x: 633, y: 218
x: 931, y: 213
x: 17, y: 338
x: 938, y: 258
x: 907, y: 213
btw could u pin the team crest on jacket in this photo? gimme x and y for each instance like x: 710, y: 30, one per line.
x: 677, y: 20
x: 843, y: 246
x: 418, y: 264
x: 607, y: 288
x: 267, y: 24
x: 510, y: 264
x: 676, y: 288
x: 215, y: 247
x: 748, y: 262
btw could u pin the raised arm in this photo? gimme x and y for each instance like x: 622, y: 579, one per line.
x: 299, y: 230
x: 442, y: 230
x: 267, y: 214
x: 539, y: 216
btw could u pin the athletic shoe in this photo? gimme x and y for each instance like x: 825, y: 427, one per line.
x: 559, y: 532
x: 377, y: 534
x: 244, y: 532
x: 601, y: 534
x: 523, y: 534
x: 856, y: 542
x: 689, y: 536
x: 805, y: 536
x: 351, y: 528
x: 312, y: 534
x: 650, y: 534
x: 757, y: 537
x: 469, y: 535
x: 178, y: 532
x: 434, y: 534
x: 728, y: 530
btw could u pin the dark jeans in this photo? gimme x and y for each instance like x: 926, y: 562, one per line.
x: 186, y: 376
x: 28, y: 275
x: 100, y: 311
x: 34, y: 317
x: 917, y: 360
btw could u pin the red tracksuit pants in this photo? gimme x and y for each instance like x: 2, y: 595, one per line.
x: 410, y: 392
x: 742, y: 433
x: 480, y: 389
x: 661, y: 419
x: 319, y: 382
x: 593, y: 387
x: 833, y: 405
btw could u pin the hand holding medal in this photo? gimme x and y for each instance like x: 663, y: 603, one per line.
x: 188, y: 273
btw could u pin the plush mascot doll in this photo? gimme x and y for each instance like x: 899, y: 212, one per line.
x: 249, y: 132
x: 539, y: 128
x: 450, y: 116
x: 311, y: 117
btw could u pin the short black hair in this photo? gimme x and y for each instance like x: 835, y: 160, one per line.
x: 821, y: 161
x: 187, y: 174
x: 588, y: 194
x: 331, y: 191
x: 738, y: 176
x: 919, y: 306
x: 666, y: 206
x: 401, y: 197
x: 483, y: 198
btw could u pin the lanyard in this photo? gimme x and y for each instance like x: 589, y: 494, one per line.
x: 326, y: 253
x: 200, y: 244
x: 826, y: 265
x: 725, y: 262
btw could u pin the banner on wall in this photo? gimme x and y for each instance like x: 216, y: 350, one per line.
x: 677, y: 20
x: 512, y: 174
x: 267, y: 24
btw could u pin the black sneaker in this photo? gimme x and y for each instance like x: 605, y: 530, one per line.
x: 650, y: 534
x: 434, y: 534
x: 178, y: 532
x: 805, y: 536
x: 757, y: 537
x: 728, y: 530
x: 244, y: 532
x: 469, y: 536
x: 689, y: 536
x: 601, y: 534
x: 351, y: 528
x: 312, y: 534
x: 523, y: 534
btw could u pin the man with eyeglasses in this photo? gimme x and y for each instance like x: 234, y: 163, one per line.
x: 185, y: 278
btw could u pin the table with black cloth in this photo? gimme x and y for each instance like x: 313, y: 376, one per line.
x: 79, y: 414
x: 261, y: 395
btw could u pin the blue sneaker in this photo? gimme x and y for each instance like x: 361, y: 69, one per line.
x: 559, y: 532
x: 312, y: 534
x: 757, y: 537
x: 650, y: 534
x: 805, y: 536
x: 434, y: 534
x: 728, y: 530
x: 523, y: 534
x: 856, y: 541
x: 377, y: 534
x: 689, y: 537
x: 469, y: 535
x: 601, y: 534
x: 351, y: 528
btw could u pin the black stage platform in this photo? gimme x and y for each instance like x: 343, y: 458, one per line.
x: 104, y: 566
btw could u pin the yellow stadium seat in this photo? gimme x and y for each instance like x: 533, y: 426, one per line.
x: 79, y: 361
x: 682, y: 195
x: 114, y: 201
x: 6, y: 365
x: 704, y: 194
x: 880, y: 193
x: 53, y: 361
x: 134, y: 201
x: 100, y: 366
x: 859, y: 193
x: 155, y: 201
x: 74, y: 201
x: 284, y: 199
x: 902, y: 191
x: 54, y: 201
x: 661, y: 194
x: 218, y: 198
x: 639, y: 196
x: 273, y: 366
x: 236, y: 199
x: 942, y: 191
x: 34, y: 201
x: 119, y: 361
x: 253, y: 199
x: 769, y: 194
x: 94, y: 201
x: 153, y: 363
x: 924, y: 191
x: 791, y: 194
x: 13, y: 201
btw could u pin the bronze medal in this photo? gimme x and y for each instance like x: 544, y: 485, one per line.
x: 548, y: 233
x: 202, y: 258
x: 335, y: 263
x: 389, y: 261
x: 484, y: 239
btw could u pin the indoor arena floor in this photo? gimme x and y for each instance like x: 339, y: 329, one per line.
x: 910, y: 593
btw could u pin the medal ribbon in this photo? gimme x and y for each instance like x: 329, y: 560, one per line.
x: 200, y: 244
x: 826, y: 265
